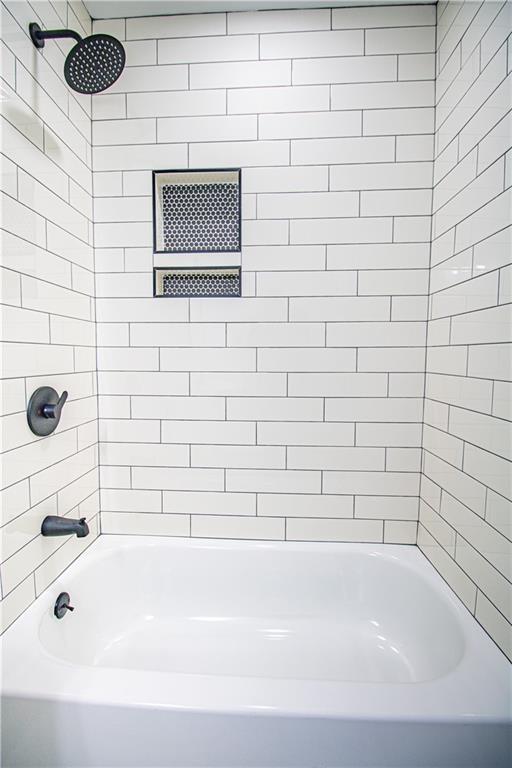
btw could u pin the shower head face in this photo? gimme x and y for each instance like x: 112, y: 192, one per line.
x: 94, y: 64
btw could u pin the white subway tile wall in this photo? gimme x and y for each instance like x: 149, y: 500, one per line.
x: 466, y: 509
x: 294, y: 412
x: 376, y: 176
x: 47, y: 303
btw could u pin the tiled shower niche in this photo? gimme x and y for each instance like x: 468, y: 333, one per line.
x: 197, y: 211
x: 194, y: 282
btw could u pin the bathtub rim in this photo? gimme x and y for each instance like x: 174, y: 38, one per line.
x: 478, y: 688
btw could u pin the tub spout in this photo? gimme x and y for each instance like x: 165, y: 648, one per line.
x: 53, y: 525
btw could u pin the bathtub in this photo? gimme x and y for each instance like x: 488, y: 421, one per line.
x: 184, y: 652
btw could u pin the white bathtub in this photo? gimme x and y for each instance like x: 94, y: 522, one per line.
x: 214, y: 653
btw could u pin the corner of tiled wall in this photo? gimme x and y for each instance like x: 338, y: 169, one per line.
x: 47, y: 297
x: 466, y: 510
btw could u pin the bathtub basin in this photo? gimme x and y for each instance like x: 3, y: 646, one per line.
x: 186, y: 652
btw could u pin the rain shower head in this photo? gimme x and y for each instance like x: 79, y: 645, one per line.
x: 92, y: 65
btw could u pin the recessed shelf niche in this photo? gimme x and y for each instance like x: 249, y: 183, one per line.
x: 197, y: 211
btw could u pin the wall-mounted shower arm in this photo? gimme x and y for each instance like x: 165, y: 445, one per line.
x: 39, y: 35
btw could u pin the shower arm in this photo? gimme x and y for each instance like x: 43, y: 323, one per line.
x: 39, y: 35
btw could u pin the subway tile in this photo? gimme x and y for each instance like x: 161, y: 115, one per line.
x: 264, y: 334
x: 337, y: 384
x: 409, y: 308
x: 169, y: 407
x: 487, y: 326
x: 129, y: 430
x: 205, y: 359
x: 272, y: 481
x: 381, y: 17
x: 400, y: 532
x: 232, y: 527
x: 400, y: 40
x: 239, y: 456
x: 139, y: 157
x: 309, y: 125
x: 141, y: 310
x: 371, y: 334
x: 378, y: 256
x: 245, y: 310
x: 359, y: 308
x: 207, y: 49
x: 176, y: 103
x: 127, y: 359
x: 381, y: 176
x: 238, y: 384
x: 370, y: 96
x: 405, y: 359
x: 217, y: 128
x: 346, y: 458
x: 416, y: 66
x: 382, y: 483
x: 412, y: 202
x: 174, y: 479
x: 123, y: 500
x: 144, y: 454
x: 192, y: 25
x: 343, y: 230
x: 174, y: 335
x: 138, y: 383
x: 362, y: 149
x: 334, y: 530
x: 305, y: 433
x: 391, y: 434
x: 209, y: 432
x: 306, y: 359
x: 279, y: 21
x: 344, y: 69
x: 377, y: 409
x: 204, y: 503
x: 116, y: 132
x: 304, y: 505
x: 387, y: 507
x: 244, y: 74
x: 309, y: 178
x: 299, y: 205
x: 412, y: 229
x: 395, y: 282
x: 265, y: 232
x: 145, y: 524
x: 274, y: 408
x: 311, y: 44
x: 447, y: 360
x: 307, y: 98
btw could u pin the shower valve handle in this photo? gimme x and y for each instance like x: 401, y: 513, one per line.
x: 52, y: 410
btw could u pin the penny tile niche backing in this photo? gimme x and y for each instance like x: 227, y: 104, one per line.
x: 197, y: 211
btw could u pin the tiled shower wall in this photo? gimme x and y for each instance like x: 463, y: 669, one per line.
x: 466, y: 509
x: 47, y: 312
x: 296, y: 411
